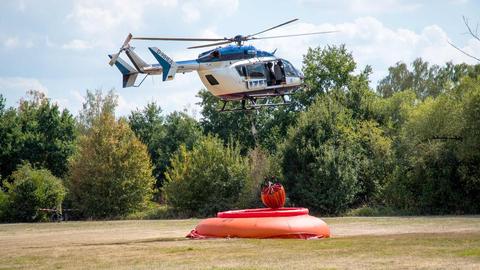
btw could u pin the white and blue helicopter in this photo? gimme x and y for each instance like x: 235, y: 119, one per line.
x: 232, y: 73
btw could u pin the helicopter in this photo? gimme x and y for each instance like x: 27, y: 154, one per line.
x: 235, y: 72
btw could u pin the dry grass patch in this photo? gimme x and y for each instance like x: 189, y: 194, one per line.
x: 373, y: 243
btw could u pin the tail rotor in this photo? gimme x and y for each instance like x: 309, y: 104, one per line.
x: 124, y: 46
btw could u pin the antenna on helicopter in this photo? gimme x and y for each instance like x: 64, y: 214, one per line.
x: 239, y: 39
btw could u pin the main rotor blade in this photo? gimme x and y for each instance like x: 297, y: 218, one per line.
x: 296, y: 35
x: 211, y: 44
x: 271, y: 28
x: 178, y: 39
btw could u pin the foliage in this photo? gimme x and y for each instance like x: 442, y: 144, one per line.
x: 229, y: 127
x: 37, y: 132
x: 163, y: 135
x: 111, y: 174
x: 325, y: 69
x: 207, y: 179
x: 153, y: 210
x: 424, y: 80
x: 320, y: 159
x: 94, y: 106
x: 261, y: 164
x: 377, y: 211
x: 180, y: 129
x: 437, y: 170
x: 29, y: 191
x: 4, y: 204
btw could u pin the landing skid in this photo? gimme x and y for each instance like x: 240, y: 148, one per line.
x: 249, y: 103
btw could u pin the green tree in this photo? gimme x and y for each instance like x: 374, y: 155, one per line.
x: 31, y: 190
x: 229, y: 126
x: 4, y: 204
x: 394, y: 111
x: 94, y: 106
x: 37, y: 132
x: 325, y: 69
x: 207, y: 179
x: 424, y: 79
x: 148, y: 125
x: 163, y: 135
x: 111, y: 173
x: 376, y: 162
x: 437, y: 157
x: 11, y: 141
x: 399, y: 78
x: 320, y: 159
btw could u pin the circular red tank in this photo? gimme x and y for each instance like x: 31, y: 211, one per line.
x: 262, y: 223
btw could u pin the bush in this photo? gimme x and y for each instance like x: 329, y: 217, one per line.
x: 152, y: 210
x: 377, y: 211
x: 3, y: 205
x: 111, y: 174
x: 261, y: 165
x: 321, y: 159
x: 437, y: 172
x: 30, y: 191
x: 207, y: 179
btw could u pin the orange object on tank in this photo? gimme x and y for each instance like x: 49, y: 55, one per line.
x: 262, y: 223
x: 273, y: 195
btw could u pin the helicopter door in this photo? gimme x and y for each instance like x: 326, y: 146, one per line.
x: 256, y: 76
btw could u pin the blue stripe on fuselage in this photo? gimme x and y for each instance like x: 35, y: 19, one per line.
x: 232, y: 52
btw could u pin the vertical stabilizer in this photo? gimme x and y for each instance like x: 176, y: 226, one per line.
x: 169, y: 66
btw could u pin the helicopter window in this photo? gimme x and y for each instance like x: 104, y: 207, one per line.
x: 215, y: 54
x: 241, y: 70
x: 289, y: 69
x: 256, y: 71
x: 211, y: 79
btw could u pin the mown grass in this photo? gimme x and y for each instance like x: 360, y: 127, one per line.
x: 357, y: 243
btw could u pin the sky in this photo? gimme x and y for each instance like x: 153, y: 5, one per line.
x: 61, y: 47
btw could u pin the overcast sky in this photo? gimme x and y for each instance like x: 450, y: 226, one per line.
x: 61, y: 47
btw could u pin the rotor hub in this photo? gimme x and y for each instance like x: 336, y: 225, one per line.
x: 239, y: 39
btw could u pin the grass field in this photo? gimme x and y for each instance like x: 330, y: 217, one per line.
x: 373, y: 243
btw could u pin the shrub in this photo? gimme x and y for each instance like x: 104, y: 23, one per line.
x: 111, y: 174
x: 377, y: 211
x: 207, y: 179
x: 261, y: 165
x: 153, y: 210
x: 3, y: 205
x: 320, y: 159
x: 30, y: 191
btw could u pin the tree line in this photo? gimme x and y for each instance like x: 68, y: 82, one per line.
x: 410, y: 146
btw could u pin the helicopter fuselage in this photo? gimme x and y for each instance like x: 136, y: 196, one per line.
x: 230, y: 73
x: 234, y: 72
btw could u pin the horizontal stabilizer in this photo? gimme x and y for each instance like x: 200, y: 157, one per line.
x: 169, y: 66
x: 123, y: 66
x: 129, y: 73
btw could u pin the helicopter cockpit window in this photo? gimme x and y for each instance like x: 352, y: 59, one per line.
x: 290, y: 70
x: 215, y: 54
x: 241, y: 70
x: 256, y: 70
